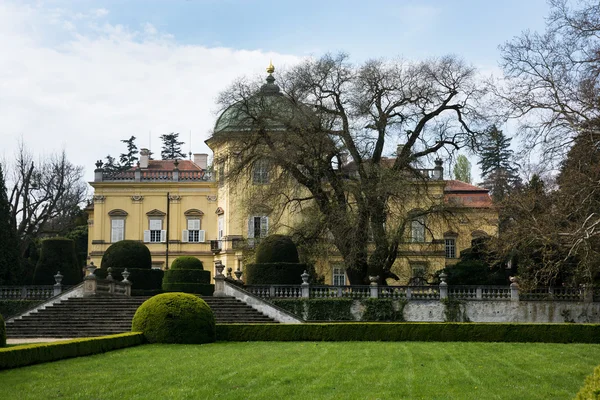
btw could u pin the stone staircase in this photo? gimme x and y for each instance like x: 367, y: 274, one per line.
x: 98, y: 316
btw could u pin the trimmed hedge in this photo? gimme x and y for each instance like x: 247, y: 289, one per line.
x: 8, y: 308
x: 274, y: 273
x: 187, y: 262
x: 276, y: 249
x: 337, y: 309
x: 175, y: 318
x: 187, y: 275
x: 57, y: 254
x: 19, y: 356
x: 141, y: 279
x: 408, y: 331
x: 591, y: 388
x: 128, y: 254
x: 2, y: 332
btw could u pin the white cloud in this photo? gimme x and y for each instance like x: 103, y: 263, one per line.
x: 77, y: 82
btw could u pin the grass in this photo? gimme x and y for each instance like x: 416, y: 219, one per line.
x: 313, y: 370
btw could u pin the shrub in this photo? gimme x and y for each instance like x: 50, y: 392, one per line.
x: 57, y: 254
x: 274, y: 273
x: 276, y: 249
x: 591, y: 388
x: 175, y: 318
x: 127, y: 254
x: 187, y: 275
x: 412, y: 331
x: 187, y: 262
x: 2, y: 332
x: 19, y: 356
x: 8, y: 308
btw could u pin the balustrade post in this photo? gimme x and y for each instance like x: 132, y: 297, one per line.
x: 305, y: 285
x: 90, y: 283
x: 219, y: 279
x: 443, y: 286
x: 271, y: 291
x: 479, y: 293
x: 514, y: 289
x: 58, y: 286
x: 408, y: 293
x: 137, y: 175
x: 24, y: 292
x: 374, y: 289
x: 126, y: 282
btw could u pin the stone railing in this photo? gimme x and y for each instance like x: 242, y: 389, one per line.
x: 93, y: 286
x: 33, y: 292
x: 151, y: 175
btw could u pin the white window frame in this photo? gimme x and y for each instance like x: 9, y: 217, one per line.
x: 262, y: 223
x: 338, y: 275
x: 117, y: 233
x: 450, y: 247
x: 193, y: 233
x: 417, y: 230
x: 154, y: 235
x: 220, y: 227
x: 260, y: 172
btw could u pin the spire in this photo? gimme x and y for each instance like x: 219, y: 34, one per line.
x: 270, y: 87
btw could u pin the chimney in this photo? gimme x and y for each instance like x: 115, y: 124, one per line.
x: 201, y: 160
x: 438, y: 170
x: 144, y: 157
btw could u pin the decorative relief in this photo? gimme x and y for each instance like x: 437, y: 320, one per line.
x: 136, y: 198
x: 174, y: 198
x: 90, y: 222
x: 98, y: 198
x: 211, y: 197
x: 219, y: 211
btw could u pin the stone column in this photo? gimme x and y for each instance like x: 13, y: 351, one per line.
x: 374, y: 289
x: 90, y: 283
x: 219, y: 279
x: 443, y: 286
x: 305, y: 285
x: 58, y: 286
x: 514, y: 289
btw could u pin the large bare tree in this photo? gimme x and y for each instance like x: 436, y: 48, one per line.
x: 44, y: 195
x: 325, y: 129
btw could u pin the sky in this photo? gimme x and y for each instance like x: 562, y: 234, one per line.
x: 81, y: 75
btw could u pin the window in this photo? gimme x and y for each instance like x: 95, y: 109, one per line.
x: 117, y: 229
x: 221, y: 174
x: 221, y: 227
x: 258, y: 227
x: 418, y: 274
x: 450, y: 247
x: 339, y: 276
x: 260, y: 172
x: 193, y: 234
x: 417, y: 230
x: 155, y: 234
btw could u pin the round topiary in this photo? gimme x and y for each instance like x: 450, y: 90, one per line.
x: 57, y: 254
x: 187, y: 275
x: 187, y: 262
x: 275, y: 249
x: 2, y: 332
x: 175, y: 318
x: 127, y: 254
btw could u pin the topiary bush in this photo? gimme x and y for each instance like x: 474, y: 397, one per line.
x: 136, y: 257
x: 276, y: 249
x: 127, y: 254
x: 175, y: 318
x: 2, y: 332
x: 187, y: 275
x: 276, y: 263
x: 57, y: 254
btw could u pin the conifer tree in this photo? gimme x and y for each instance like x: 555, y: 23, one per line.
x: 462, y: 169
x: 10, y: 261
x: 129, y: 159
x: 171, y: 147
x: 497, y: 165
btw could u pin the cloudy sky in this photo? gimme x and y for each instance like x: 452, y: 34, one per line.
x: 81, y: 75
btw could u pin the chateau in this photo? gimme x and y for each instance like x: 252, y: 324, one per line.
x: 185, y: 207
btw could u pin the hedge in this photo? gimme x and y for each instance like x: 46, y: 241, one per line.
x: 2, y: 332
x: 276, y: 249
x: 591, y: 388
x: 141, y: 279
x: 203, y: 289
x: 57, y: 254
x: 339, y: 309
x: 409, y: 331
x: 187, y: 262
x: 9, y: 308
x: 127, y: 254
x: 19, y: 356
x: 279, y: 273
x: 187, y: 275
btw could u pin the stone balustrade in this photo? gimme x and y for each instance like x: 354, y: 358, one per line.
x: 110, y: 286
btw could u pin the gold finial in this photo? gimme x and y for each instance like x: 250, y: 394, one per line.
x: 270, y: 68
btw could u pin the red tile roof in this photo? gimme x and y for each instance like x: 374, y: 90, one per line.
x: 169, y: 165
x: 466, y: 195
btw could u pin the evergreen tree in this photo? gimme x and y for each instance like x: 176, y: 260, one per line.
x: 129, y: 159
x: 171, y: 148
x: 497, y: 165
x: 10, y: 262
x: 462, y: 169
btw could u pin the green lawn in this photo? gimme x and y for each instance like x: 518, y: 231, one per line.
x: 313, y: 370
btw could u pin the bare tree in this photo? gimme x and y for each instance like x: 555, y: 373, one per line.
x: 324, y: 131
x: 551, y: 79
x: 41, y: 193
